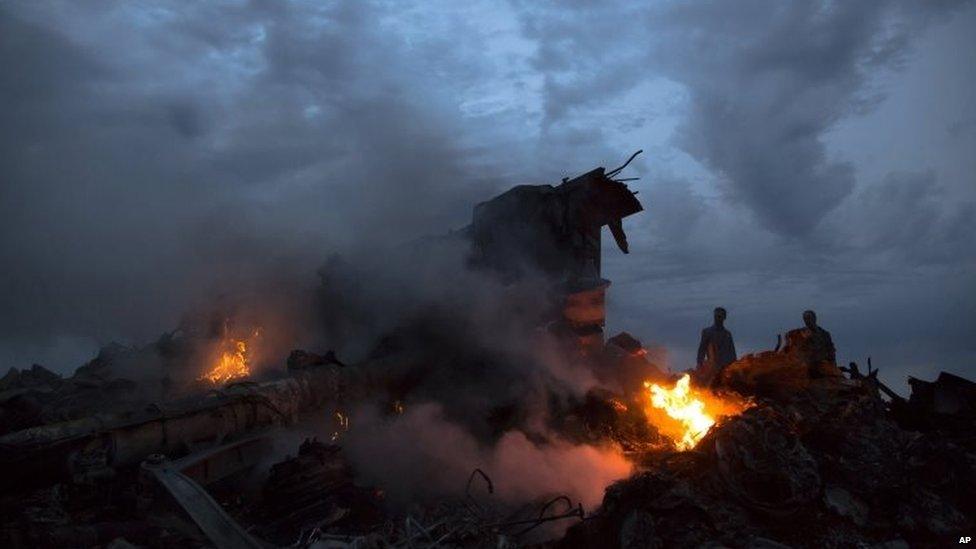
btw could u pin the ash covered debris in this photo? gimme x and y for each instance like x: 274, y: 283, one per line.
x: 119, y: 380
x: 37, y: 396
x: 312, y: 491
x: 947, y: 404
x: 817, y: 462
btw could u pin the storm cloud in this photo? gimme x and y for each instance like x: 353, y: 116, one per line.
x: 153, y: 156
x: 765, y: 81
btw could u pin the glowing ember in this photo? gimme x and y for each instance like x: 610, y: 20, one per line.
x: 688, y: 413
x: 618, y: 406
x: 341, y: 423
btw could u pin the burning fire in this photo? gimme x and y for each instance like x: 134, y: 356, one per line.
x: 232, y: 361
x: 685, y: 414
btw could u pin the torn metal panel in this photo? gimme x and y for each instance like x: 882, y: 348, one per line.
x: 215, y: 464
x: 219, y: 527
x: 552, y: 230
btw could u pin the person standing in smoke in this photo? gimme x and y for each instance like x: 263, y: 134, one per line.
x: 715, y: 351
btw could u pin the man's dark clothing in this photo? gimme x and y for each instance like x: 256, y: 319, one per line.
x: 715, y: 352
x: 822, y: 346
x: 814, y: 348
x: 812, y: 345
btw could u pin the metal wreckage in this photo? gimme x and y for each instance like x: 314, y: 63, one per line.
x: 775, y: 457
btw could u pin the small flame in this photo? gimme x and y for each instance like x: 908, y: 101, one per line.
x: 233, y: 361
x: 231, y: 364
x: 691, y: 412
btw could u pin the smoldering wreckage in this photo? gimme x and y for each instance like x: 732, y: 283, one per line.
x: 780, y: 452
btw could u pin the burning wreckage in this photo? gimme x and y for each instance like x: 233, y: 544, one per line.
x: 783, y: 450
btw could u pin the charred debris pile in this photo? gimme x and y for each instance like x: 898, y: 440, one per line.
x: 179, y: 443
x: 817, y: 461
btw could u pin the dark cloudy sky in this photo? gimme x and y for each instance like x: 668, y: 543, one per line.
x: 798, y: 155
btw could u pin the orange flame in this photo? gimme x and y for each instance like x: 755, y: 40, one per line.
x: 688, y: 413
x: 233, y: 362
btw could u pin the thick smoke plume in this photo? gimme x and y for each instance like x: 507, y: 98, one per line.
x: 474, y: 371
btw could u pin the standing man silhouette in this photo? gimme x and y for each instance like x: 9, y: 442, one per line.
x: 715, y: 352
